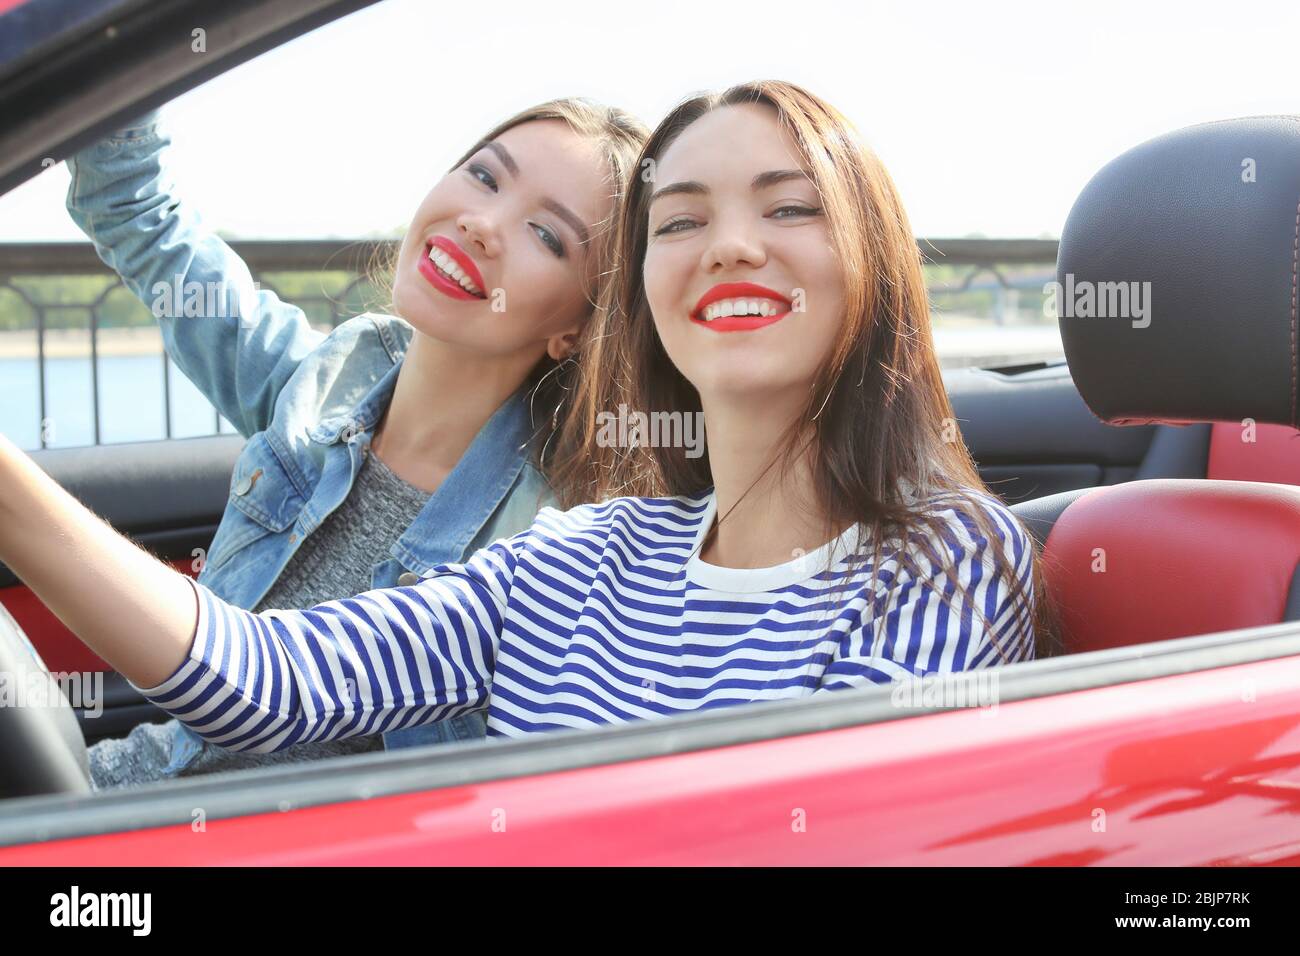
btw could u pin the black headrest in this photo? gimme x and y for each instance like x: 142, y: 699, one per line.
x: 1179, y: 274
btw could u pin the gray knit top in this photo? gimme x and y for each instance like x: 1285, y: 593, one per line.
x: 337, y: 560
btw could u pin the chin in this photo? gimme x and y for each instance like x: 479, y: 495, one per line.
x: 420, y: 310
x: 756, y: 385
x: 413, y: 304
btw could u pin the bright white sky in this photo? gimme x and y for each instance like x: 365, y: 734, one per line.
x: 990, y: 116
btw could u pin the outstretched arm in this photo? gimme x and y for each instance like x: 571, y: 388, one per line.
x: 379, y: 661
x: 130, y: 608
x: 237, y: 343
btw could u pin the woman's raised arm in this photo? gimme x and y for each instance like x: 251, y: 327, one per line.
x: 237, y: 343
x: 380, y: 661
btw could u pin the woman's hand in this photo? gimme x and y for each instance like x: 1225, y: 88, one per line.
x: 131, y: 609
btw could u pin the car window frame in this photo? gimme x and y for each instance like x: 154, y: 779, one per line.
x: 104, y: 71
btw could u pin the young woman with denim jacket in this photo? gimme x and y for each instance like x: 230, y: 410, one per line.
x: 437, y: 400
x: 771, y: 283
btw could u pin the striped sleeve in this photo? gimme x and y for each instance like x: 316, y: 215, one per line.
x: 922, y: 623
x: 380, y: 661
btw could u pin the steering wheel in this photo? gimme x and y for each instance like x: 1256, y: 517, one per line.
x: 42, y: 749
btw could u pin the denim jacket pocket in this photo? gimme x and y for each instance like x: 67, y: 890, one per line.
x: 263, y: 500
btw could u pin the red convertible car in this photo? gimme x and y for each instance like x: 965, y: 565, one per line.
x: 1158, y: 467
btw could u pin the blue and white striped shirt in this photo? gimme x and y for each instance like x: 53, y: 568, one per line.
x: 599, y: 615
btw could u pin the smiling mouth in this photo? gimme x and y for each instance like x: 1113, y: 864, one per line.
x: 739, y: 307
x: 446, y: 268
x: 735, y: 308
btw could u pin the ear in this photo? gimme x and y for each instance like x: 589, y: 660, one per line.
x: 561, y: 346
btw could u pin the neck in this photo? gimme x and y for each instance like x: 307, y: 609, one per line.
x: 443, y: 397
x: 767, y: 513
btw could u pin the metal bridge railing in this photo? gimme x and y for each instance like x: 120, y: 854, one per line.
x: 48, y: 287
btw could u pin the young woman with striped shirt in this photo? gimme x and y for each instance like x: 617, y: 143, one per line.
x: 834, y: 534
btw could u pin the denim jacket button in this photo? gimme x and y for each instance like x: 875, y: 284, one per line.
x: 408, y: 578
x: 246, y: 483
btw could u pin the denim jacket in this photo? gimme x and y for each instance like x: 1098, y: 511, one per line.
x: 306, y: 401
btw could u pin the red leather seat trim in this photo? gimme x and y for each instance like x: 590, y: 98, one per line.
x: 1274, y: 455
x: 1182, y: 557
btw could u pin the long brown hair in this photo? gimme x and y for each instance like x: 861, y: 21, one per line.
x: 877, y: 417
x: 619, y: 136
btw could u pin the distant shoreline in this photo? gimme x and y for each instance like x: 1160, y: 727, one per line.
x: 75, y: 343
x: 960, y: 341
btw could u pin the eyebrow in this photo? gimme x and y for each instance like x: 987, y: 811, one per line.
x: 551, y: 205
x: 503, y: 154
x: 564, y: 213
x: 695, y: 188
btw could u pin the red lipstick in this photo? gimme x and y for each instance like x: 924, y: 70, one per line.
x: 442, y: 283
x: 739, y: 323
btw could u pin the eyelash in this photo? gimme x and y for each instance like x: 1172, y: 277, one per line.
x: 667, y: 228
x: 490, y: 182
x: 549, y: 239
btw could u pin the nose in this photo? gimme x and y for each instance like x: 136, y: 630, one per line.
x: 479, y: 229
x: 732, y: 245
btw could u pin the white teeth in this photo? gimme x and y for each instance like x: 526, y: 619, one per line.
x: 449, y: 267
x: 729, y: 307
